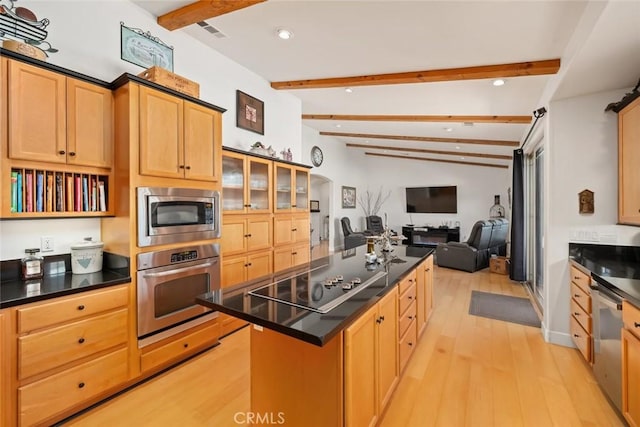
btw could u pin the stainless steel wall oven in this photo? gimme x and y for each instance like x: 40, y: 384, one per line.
x: 168, y: 283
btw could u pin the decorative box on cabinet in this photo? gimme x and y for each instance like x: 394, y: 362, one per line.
x: 178, y: 138
x: 580, y: 323
x: 371, y: 362
x: 59, y: 143
x: 246, y: 183
x: 631, y: 363
x: 70, y: 353
x: 628, y: 159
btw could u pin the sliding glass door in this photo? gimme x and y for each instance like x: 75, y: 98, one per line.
x: 535, y: 222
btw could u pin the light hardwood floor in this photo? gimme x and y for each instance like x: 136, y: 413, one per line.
x: 466, y: 371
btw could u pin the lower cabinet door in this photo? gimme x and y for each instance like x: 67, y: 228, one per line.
x: 387, y: 347
x: 259, y: 264
x: 53, y: 395
x: 630, y: 378
x: 407, y: 344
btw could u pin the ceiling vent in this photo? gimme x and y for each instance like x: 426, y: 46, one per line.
x: 213, y: 30
x: 467, y: 123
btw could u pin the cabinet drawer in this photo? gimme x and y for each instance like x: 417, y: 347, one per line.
x: 631, y: 317
x: 50, y: 348
x: 407, y: 298
x: 407, y: 344
x: 69, y: 309
x: 581, y: 297
x: 180, y: 347
x: 406, y: 318
x: 580, y: 279
x: 581, y: 316
x: 52, y: 395
x: 407, y: 282
x: 581, y: 338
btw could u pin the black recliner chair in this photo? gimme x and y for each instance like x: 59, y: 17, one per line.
x: 469, y: 256
x: 375, y: 225
x: 498, y: 241
x: 352, y: 239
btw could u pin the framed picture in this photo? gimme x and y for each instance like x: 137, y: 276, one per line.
x: 348, y: 197
x: 314, y: 205
x: 143, y: 49
x: 249, y: 113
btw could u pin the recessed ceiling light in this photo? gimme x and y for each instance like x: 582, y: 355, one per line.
x: 348, y: 90
x: 448, y: 129
x: 338, y: 125
x: 498, y: 82
x: 457, y: 147
x: 461, y: 158
x: 284, y: 34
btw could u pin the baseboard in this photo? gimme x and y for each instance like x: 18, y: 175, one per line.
x: 555, y: 337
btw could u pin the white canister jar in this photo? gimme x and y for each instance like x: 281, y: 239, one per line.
x: 86, y: 256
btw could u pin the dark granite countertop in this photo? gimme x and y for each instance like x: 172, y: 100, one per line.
x: 615, y: 267
x: 307, y: 284
x: 58, y: 279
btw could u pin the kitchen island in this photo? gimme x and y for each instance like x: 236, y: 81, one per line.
x: 329, y: 340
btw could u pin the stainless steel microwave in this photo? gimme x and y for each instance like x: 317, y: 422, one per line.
x: 175, y: 215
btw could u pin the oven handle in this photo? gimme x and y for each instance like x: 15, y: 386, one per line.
x: 176, y: 270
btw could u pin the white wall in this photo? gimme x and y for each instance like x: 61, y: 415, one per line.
x: 351, y: 167
x: 87, y: 35
x: 582, y: 153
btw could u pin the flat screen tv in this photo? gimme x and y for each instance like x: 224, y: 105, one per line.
x: 432, y: 199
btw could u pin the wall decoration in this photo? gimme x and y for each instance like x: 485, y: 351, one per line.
x: 314, y: 205
x: 249, y: 113
x: 143, y: 49
x: 22, y: 32
x: 348, y: 197
x: 585, y: 202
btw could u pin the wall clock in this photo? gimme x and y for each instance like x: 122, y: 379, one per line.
x: 316, y: 156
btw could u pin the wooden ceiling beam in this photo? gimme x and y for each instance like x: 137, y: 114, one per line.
x: 425, y: 139
x: 200, y: 11
x: 442, y: 152
x: 521, y: 120
x: 488, y: 165
x: 530, y: 68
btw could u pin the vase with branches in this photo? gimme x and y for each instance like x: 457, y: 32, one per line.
x: 371, y: 202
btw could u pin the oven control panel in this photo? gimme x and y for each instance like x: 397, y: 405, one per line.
x: 184, y: 256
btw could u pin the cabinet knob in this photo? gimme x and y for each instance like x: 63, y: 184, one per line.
x: 576, y: 314
x: 410, y: 317
x: 636, y: 324
x: 576, y: 278
x: 81, y: 385
x: 378, y: 320
x: 576, y: 295
x: 294, y: 229
x: 410, y: 297
x: 81, y: 340
x: 576, y: 335
x: 410, y: 344
x: 181, y: 166
x: 428, y: 269
x: 187, y: 167
x: 81, y: 307
x: 294, y: 253
x: 72, y: 153
x: 247, y: 206
x: 249, y: 264
x: 294, y: 206
x: 382, y: 317
x: 61, y: 152
x: 185, y: 345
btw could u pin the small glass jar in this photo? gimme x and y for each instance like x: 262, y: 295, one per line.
x: 32, y: 265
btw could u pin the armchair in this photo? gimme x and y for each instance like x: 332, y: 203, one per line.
x: 498, y: 241
x: 375, y: 225
x: 351, y: 238
x: 469, y: 256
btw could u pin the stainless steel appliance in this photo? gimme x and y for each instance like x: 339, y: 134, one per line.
x: 168, y: 283
x: 607, y: 325
x: 174, y: 215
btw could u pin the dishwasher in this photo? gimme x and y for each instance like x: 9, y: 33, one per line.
x: 607, y: 326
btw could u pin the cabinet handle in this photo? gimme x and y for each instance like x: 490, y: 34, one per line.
x: 576, y: 295
x: 636, y: 324
x: 72, y: 154
x: 428, y: 269
x: 576, y: 314
x: 294, y: 229
x: 576, y: 335
x: 410, y: 344
x: 185, y: 345
x: 249, y: 265
x: 81, y: 385
x: 247, y: 206
x: 181, y: 166
x: 410, y: 317
x: 294, y: 253
x: 576, y: 277
x: 294, y: 206
x: 187, y: 167
x: 410, y: 297
x: 378, y: 320
x: 382, y: 317
x: 81, y: 307
x: 61, y: 152
x: 81, y: 340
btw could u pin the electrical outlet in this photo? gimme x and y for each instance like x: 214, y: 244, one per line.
x: 46, y: 244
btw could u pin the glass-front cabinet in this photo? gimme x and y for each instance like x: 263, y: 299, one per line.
x: 291, y: 189
x: 246, y: 184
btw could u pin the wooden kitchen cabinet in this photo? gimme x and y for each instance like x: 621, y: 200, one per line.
x: 241, y: 234
x: 628, y: 159
x: 246, y: 183
x: 66, y: 353
x: 631, y: 363
x: 407, y: 317
x: 371, y: 362
x: 178, y: 138
x: 580, y: 322
x: 291, y: 188
x: 291, y: 255
x: 424, y: 293
x: 288, y: 229
x: 238, y: 269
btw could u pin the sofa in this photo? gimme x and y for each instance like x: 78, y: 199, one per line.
x: 487, y: 237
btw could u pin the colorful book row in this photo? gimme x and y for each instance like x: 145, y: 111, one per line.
x: 48, y: 191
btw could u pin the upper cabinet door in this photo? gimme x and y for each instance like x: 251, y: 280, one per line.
x: 302, y: 190
x: 628, y: 159
x: 202, y: 142
x: 161, y: 134
x: 37, y: 110
x: 89, y: 124
x: 233, y: 183
x: 283, y: 188
x: 259, y: 185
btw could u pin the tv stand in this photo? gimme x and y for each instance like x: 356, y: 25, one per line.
x: 429, y: 236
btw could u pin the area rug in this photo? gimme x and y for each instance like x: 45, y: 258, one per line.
x: 503, y: 307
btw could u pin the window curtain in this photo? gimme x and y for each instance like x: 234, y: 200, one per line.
x: 518, y: 262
